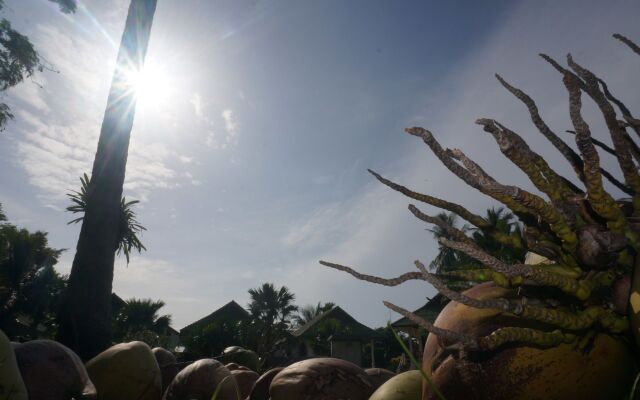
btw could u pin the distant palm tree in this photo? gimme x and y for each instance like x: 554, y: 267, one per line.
x: 271, y: 310
x: 141, y: 315
x: 447, y: 259
x: 500, y: 220
x: 504, y: 222
x: 309, y: 312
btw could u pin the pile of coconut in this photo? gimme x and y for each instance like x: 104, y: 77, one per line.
x: 45, y: 369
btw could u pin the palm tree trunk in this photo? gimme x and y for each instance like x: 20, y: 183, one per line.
x: 85, y: 318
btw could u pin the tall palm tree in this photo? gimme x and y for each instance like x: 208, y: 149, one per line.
x: 271, y: 310
x: 85, y: 318
x: 309, y: 312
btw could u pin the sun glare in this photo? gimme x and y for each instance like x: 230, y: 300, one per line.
x: 151, y: 85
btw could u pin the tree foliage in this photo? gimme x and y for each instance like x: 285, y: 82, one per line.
x: 209, y: 340
x: 29, y: 284
x: 18, y: 57
x: 139, y: 319
x: 271, y: 310
x: 309, y: 312
x: 129, y: 227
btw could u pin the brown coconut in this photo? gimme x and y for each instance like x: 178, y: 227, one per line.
x: 52, y: 371
x: 245, y: 379
x: 126, y: 371
x: 378, y: 376
x: 260, y: 390
x: 199, y: 381
x: 168, y: 365
x: 321, y: 379
x: 604, y: 369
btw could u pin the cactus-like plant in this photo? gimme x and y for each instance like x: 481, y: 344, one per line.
x: 589, y: 241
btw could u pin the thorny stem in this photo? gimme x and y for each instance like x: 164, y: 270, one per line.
x: 465, y: 214
x: 541, y: 275
x: 629, y: 169
x: 601, y: 201
x: 375, y: 279
x: 461, y: 172
x: 493, y: 341
x: 450, y: 230
x: 628, y: 42
x: 569, y: 154
x: 524, y: 198
x: 530, y: 162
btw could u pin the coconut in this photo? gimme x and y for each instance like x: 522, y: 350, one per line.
x: 321, y: 379
x: 199, y: 381
x: 602, y: 368
x: 404, y: 386
x: 11, y: 383
x: 260, y: 390
x: 245, y: 379
x: 241, y: 356
x: 168, y: 365
x: 378, y: 376
x: 126, y: 371
x: 52, y: 371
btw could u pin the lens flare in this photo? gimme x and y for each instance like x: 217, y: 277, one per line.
x: 151, y: 85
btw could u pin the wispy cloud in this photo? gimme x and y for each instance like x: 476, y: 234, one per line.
x: 230, y: 123
x: 60, y: 122
x: 196, y: 101
x: 226, y: 136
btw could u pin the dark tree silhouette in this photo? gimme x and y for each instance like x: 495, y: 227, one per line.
x: 271, y: 310
x: 18, y: 57
x: 29, y: 285
x: 85, y: 319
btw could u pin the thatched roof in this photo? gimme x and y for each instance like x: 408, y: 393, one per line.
x: 350, y: 329
x: 429, y: 311
x: 231, y: 311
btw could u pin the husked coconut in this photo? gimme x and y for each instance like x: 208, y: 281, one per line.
x: 168, y: 365
x: 126, y: 371
x: 199, y: 381
x: 52, y: 371
x: 260, y: 390
x: 321, y: 379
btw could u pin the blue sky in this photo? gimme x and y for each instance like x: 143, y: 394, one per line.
x: 250, y: 160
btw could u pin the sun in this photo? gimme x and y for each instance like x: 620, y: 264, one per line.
x: 151, y: 85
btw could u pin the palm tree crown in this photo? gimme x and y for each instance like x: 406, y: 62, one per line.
x: 309, y: 312
x: 139, y: 315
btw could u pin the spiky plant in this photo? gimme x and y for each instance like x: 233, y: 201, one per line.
x: 129, y: 227
x: 589, y: 240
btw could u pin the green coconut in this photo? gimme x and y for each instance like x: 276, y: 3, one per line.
x: 11, y: 384
x: 404, y: 386
x: 126, y: 371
